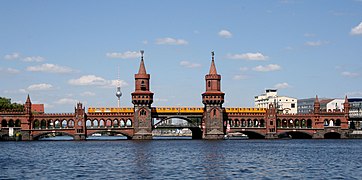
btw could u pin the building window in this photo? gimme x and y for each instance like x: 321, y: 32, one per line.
x: 271, y: 123
x: 208, y: 83
x: 292, y: 105
x: 143, y: 112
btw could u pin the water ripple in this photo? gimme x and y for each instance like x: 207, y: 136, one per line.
x: 187, y: 159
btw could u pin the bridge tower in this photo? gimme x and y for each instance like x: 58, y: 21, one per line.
x: 27, y: 122
x: 142, y: 99
x: 80, y: 122
x: 271, y: 122
x: 346, y: 106
x: 213, y: 99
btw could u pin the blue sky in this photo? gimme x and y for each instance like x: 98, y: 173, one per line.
x: 62, y: 52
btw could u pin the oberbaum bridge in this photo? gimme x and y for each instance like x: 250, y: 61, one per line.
x: 212, y: 121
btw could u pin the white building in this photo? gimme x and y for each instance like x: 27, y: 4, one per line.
x: 287, y: 105
x: 335, y: 104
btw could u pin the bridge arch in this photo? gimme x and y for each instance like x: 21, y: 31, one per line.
x: 129, y: 136
x: 332, y: 135
x: 175, y: 117
x: 193, y: 126
x: 4, y: 123
x: 252, y: 134
x: 17, y: 123
x: 38, y: 136
x: 295, y: 135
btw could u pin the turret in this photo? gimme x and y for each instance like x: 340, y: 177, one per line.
x: 142, y: 99
x: 142, y: 93
x: 213, y: 99
x: 213, y: 94
x: 317, y: 105
x: 346, y: 105
x: 27, y: 105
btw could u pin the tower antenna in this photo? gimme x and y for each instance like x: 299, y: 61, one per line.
x: 118, y: 92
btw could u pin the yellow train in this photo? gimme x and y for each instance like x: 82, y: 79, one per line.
x: 245, y: 110
x: 111, y: 110
x: 170, y: 110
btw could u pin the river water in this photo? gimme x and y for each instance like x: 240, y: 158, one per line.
x: 182, y: 159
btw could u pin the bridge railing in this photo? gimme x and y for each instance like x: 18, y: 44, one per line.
x: 178, y: 110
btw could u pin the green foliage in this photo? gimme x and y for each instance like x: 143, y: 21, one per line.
x: 6, y: 105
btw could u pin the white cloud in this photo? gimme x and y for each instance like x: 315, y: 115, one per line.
x: 225, y: 34
x: 355, y: 94
x: 22, y: 91
x: 315, y: 43
x: 12, y: 56
x: 88, y: 80
x: 124, y: 55
x: 270, y: 67
x: 34, y: 59
x: 40, y: 87
x: 9, y: 71
x: 357, y: 30
x: 51, y: 68
x: 171, y: 41
x: 160, y: 100
x: 92, y: 80
x: 87, y: 93
x: 19, y: 91
x: 350, y: 74
x: 240, y: 77
x: 145, y: 42
x: 64, y: 101
x: 248, y: 56
x: 309, y: 35
x: 243, y: 68
x: 189, y: 64
x: 114, y: 83
x: 282, y: 85
x: 48, y: 106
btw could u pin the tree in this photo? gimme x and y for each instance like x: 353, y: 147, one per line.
x: 6, y: 105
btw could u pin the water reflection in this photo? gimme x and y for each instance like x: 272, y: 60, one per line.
x: 186, y: 159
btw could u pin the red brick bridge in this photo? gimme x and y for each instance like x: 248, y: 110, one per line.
x: 212, y: 121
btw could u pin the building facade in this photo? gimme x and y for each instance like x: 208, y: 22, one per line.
x: 355, y: 113
x: 284, y: 104
x: 305, y: 106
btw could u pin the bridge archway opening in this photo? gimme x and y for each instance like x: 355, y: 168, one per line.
x: 295, y: 135
x: 107, y: 135
x: 176, y: 128
x: 332, y: 135
x: 54, y: 136
x: 252, y: 135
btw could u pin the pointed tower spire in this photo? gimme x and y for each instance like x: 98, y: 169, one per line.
x: 212, y: 67
x: 316, y: 99
x: 142, y: 69
x: 317, y: 105
x: 27, y: 105
x: 346, y: 105
x: 28, y: 99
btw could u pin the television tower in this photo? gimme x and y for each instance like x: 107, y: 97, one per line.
x: 118, y: 92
